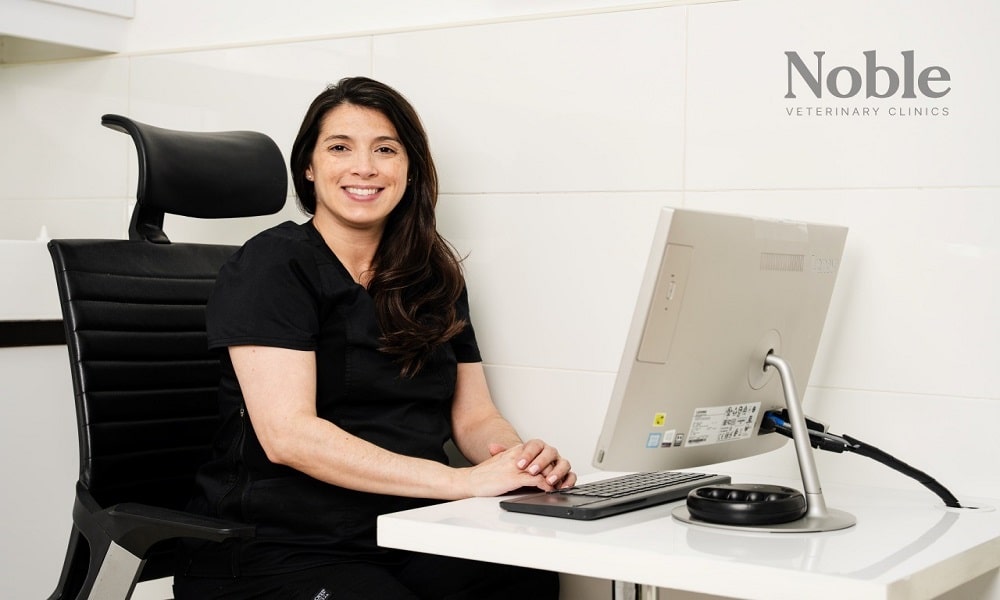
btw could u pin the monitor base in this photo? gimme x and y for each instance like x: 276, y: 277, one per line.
x: 831, y: 521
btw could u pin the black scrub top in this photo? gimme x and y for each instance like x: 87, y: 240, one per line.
x: 286, y: 288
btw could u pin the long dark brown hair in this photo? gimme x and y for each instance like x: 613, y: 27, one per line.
x: 417, y: 275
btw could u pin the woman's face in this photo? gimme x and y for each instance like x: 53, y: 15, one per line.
x: 359, y: 168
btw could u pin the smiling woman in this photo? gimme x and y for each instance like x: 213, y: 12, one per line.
x: 348, y: 361
x: 361, y: 153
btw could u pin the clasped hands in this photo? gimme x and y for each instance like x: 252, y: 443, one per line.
x: 530, y: 464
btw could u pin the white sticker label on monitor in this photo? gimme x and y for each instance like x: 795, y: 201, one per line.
x: 718, y: 424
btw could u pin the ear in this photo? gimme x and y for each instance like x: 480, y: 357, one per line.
x: 309, y: 173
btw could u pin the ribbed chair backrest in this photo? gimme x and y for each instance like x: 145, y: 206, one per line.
x: 144, y: 381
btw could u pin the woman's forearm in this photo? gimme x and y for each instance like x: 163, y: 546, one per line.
x: 326, y: 452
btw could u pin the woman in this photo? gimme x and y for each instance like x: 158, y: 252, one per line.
x: 350, y: 362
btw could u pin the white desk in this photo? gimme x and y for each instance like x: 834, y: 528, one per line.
x: 906, y: 545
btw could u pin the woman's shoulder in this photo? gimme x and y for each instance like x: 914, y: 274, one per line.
x: 290, y: 252
x: 288, y: 233
x: 275, y: 248
x: 279, y: 243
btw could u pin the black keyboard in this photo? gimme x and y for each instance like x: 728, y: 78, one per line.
x: 634, y: 483
x: 615, y: 495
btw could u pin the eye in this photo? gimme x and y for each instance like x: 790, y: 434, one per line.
x: 338, y: 148
x: 386, y: 150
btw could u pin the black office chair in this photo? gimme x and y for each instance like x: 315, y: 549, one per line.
x: 144, y: 381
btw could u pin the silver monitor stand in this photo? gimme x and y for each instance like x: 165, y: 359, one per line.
x: 818, y: 517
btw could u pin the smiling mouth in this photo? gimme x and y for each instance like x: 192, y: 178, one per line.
x: 355, y: 191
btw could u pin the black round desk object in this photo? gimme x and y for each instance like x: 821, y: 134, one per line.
x: 746, y: 504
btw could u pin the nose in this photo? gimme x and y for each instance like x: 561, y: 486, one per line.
x: 364, y: 166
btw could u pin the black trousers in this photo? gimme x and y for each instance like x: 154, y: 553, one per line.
x: 418, y: 577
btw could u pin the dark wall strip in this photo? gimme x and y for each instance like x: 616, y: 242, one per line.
x: 16, y: 334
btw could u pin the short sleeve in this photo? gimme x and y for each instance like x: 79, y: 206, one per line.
x: 464, y: 344
x: 267, y: 294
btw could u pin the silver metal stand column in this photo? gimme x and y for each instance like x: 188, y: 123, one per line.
x: 816, y: 505
x: 634, y: 591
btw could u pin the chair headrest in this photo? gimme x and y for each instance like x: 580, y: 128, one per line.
x: 209, y: 175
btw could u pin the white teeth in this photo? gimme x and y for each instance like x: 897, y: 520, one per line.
x: 361, y: 191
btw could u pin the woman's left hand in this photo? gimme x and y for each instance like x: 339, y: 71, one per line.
x: 539, y: 458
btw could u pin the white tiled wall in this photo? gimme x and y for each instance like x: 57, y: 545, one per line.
x: 559, y: 128
x: 587, y: 103
x: 741, y: 137
x: 55, y: 166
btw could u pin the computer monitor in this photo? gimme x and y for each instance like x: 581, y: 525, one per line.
x: 720, y: 293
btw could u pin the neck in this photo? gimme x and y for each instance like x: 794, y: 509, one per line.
x: 355, y: 248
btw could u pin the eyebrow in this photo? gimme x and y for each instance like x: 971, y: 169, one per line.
x: 341, y: 136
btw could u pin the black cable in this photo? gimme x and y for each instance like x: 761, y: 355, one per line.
x: 845, y: 443
x: 859, y: 447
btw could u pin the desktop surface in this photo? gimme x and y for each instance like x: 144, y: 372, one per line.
x: 906, y: 545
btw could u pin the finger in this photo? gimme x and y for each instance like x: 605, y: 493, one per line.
x: 557, y: 473
x: 545, y: 459
x: 554, y: 482
x: 495, y: 448
x: 569, y: 481
x: 529, y: 452
x: 536, y: 455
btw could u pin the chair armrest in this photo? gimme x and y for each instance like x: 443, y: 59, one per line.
x: 136, y: 527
